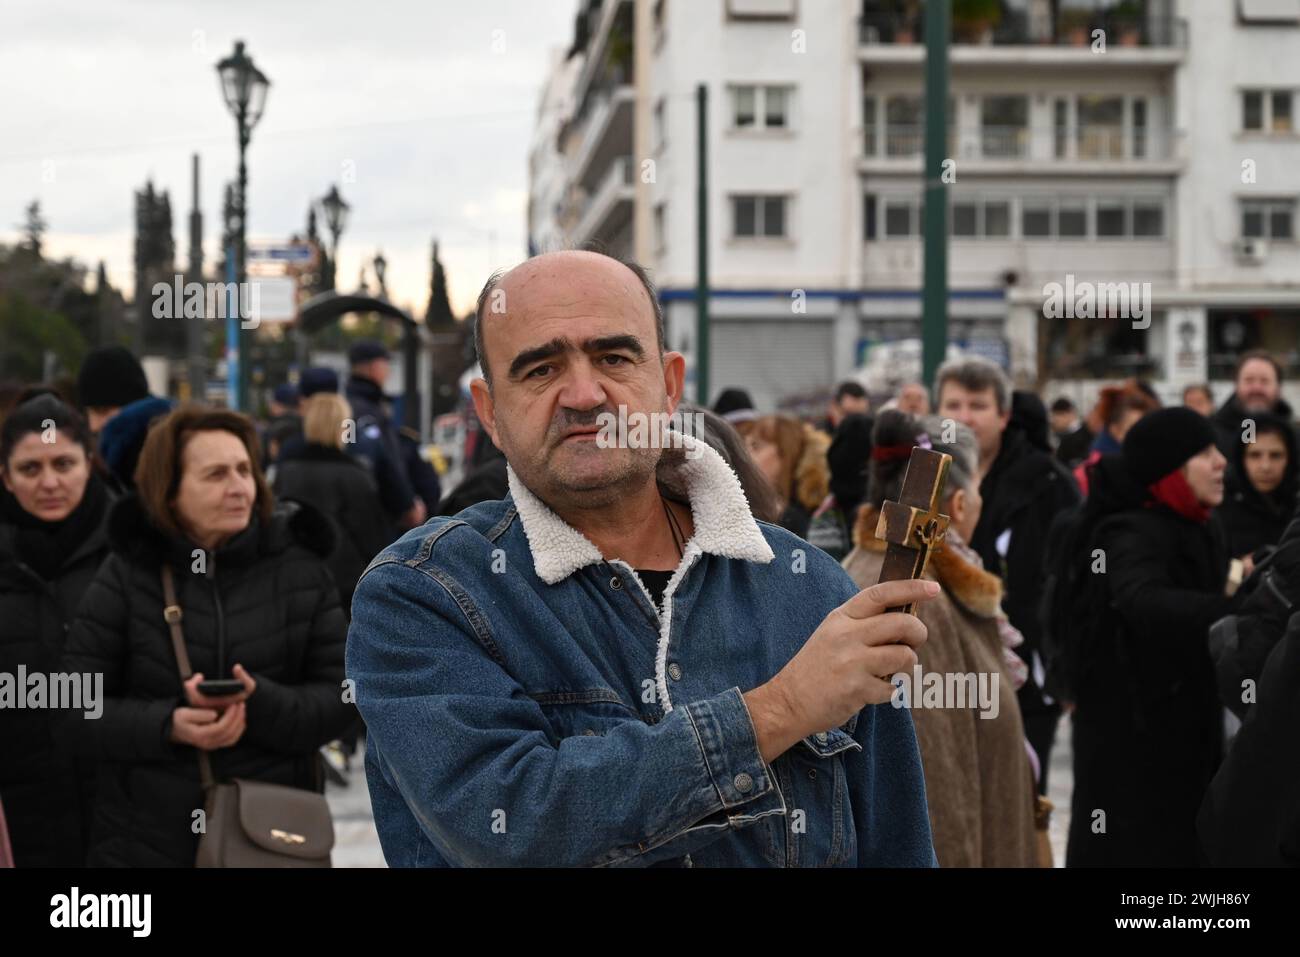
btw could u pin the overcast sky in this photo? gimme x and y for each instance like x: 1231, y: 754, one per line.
x: 403, y: 103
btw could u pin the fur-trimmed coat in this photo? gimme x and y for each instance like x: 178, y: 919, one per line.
x: 978, y: 780
x: 266, y: 599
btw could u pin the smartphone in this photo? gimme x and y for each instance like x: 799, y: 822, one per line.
x: 219, y: 687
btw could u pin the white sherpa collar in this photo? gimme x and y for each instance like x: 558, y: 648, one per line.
x: 724, y: 525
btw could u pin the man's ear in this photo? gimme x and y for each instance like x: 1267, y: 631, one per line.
x: 957, y: 506
x: 674, y: 379
x: 485, y: 408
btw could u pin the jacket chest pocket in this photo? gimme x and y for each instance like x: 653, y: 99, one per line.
x: 817, y: 830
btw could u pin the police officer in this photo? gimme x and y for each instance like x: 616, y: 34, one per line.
x: 377, y: 435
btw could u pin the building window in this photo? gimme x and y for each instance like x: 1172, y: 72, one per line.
x: 1148, y: 219
x: 1061, y: 128
x: 1139, y: 131
x: 1036, y: 219
x: 1268, y: 219
x: 1252, y: 110
x: 761, y: 107
x: 981, y: 219
x: 903, y: 132
x: 660, y: 124
x: 901, y: 220
x: 870, y: 139
x: 661, y: 227
x: 1112, y: 219
x: 869, y: 216
x: 1267, y: 111
x: 1004, y: 126
x: 1072, y: 219
x: 1101, y: 127
x: 759, y: 216
x: 1281, y: 102
x: 743, y: 114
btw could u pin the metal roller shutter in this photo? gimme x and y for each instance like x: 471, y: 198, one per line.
x: 771, y: 358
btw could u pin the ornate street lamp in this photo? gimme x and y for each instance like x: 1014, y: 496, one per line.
x: 381, y: 264
x: 336, y: 220
x: 244, y: 87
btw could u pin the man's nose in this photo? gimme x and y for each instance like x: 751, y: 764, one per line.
x: 582, y: 388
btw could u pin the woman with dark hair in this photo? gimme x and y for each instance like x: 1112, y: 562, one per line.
x: 980, y: 778
x: 52, y: 541
x: 1148, y: 720
x: 259, y: 608
x: 1262, y: 487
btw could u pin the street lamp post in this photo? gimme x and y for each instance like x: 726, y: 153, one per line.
x: 244, y: 87
x: 336, y: 219
x: 381, y: 264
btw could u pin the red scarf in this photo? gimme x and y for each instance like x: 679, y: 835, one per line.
x: 1173, y: 492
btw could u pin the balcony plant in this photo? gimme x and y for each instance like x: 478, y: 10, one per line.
x: 973, y: 20
x: 903, y: 16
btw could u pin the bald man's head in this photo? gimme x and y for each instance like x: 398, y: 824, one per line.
x: 497, y: 291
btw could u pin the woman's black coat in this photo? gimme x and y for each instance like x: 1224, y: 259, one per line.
x: 45, y: 791
x: 343, y: 489
x: 1148, y: 725
x: 265, y: 600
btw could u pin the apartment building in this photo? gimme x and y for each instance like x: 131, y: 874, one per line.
x: 1124, y: 146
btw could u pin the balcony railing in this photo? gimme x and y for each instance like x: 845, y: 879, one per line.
x: 1074, y: 28
x: 616, y: 177
x: 1099, y: 143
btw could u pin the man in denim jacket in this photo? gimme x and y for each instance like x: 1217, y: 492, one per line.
x: 617, y: 665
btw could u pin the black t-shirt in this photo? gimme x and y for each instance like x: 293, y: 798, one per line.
x: 655, y: 583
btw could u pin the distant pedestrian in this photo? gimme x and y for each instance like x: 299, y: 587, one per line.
x: 285, y: 421
x: 792, y: 455
x: 1257, y: 388
x: 1199, y: 399
x: 1073, y: 437
x: 831, y: 527
x: 112, y: 388
x: 1258, y: 504
x: 1148, y: 720
x: 1117, y: 408
x: 377, y: 435
x: 52, y: 540
x: 849, y: 399
x: 322, y: 474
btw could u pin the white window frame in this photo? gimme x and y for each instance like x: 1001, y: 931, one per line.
x: 1266, y: 94
x: 759, y: 92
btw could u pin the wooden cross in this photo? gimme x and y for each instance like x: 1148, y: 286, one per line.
x: 913, y: 526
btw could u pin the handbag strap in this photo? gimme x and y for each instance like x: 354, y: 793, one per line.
x: 172, y: 615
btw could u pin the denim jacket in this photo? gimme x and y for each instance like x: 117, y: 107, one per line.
x: 527, y: 704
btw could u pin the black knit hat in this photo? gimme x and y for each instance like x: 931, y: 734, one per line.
x: 111, y: 377
x: 364, y: 350
x: 1162, y: 441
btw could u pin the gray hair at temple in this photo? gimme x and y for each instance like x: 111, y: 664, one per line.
x: 494, y: 280
x: 964, y: 449
x: 974, y: 374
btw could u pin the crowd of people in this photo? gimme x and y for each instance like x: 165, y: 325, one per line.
x: 1137, y: 567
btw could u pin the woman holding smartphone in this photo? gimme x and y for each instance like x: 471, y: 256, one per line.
x: 262, y: 626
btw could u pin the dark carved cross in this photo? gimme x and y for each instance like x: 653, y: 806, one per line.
x: 913, y: 526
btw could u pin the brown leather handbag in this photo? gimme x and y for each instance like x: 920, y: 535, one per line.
x: 251, y: 823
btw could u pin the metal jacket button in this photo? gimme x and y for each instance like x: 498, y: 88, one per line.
x: 616, y: 583
x: 743, y: 782
x: 675, y: 671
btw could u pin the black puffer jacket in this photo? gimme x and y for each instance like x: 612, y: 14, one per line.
x: 46, y: 792
x: 268, y: 602
x: 343, y: 489
x: 1148, y: 727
